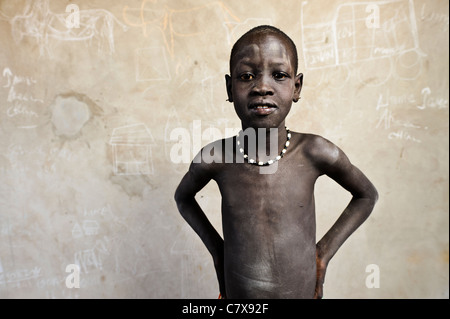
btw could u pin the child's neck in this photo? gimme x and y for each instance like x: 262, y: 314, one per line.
x: 268, y: 143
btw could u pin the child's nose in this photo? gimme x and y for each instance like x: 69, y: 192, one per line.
x: 262, y: 85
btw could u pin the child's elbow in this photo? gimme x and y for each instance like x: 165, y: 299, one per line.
x: 376, y: 197
x: 373, y: 196
x: 181, y: 197
x: 178, y: 196
x: 369, y: 195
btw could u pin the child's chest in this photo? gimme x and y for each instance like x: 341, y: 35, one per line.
x: 287, y: 182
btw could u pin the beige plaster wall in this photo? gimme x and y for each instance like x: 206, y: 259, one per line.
x: 87, y: 113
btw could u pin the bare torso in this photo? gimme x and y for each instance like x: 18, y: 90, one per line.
x: 269, y: 226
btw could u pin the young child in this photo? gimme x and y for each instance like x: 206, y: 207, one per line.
x: 269, y: 245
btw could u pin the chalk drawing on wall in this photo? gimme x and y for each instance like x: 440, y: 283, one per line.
x: 131, y: 146
x: 38, y: 22
x: 173, y: 23
x: 235, y: 28
x: 393, y: 45
x: 88, y: 227
x: 147, y: 69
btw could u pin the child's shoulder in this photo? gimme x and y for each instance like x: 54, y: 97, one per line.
x: 215, y: 152
x: 316, y: 147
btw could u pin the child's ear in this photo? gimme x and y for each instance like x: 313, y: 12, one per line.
x: 228, y: 83
x: 298, y: 87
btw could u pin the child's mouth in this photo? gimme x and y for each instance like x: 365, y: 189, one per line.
x: 262, y: 109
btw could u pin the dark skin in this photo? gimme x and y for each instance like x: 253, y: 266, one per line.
x: 269, y: 247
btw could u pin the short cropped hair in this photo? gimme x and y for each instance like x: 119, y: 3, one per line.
x: 267, y: 29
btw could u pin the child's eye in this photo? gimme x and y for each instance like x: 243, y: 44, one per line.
x: 246, y: 76
x: 280, y: 75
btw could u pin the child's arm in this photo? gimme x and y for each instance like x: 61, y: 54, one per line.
x: 334, y: 163
x: 196, y: 178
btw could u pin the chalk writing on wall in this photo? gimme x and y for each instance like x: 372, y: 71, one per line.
x: 132, y: 150
x: 21, y: 103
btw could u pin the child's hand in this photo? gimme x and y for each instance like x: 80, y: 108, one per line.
x: 321, y: 269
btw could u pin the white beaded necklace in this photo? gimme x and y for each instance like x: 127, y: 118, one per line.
x: 269, y: 162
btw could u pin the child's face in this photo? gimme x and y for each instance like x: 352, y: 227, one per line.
x: 263, y: 83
